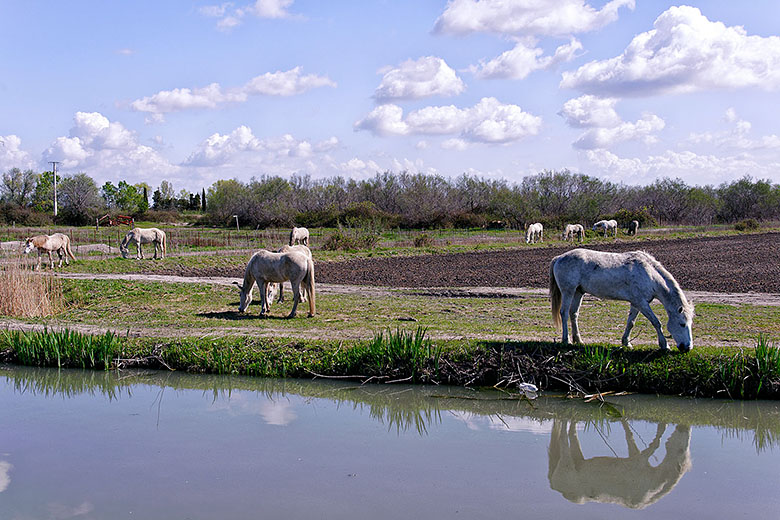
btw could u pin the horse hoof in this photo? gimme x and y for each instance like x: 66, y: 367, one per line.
x: 310, y: 315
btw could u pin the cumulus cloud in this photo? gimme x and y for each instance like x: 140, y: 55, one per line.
x: 106, y: 149
x: 287, y: 83
x: 523, y: 59
x: 605, y: 127
x: 231, y: 16
x: 489, y: 121
x: 540, y: 17
x: 12, y: 155
x: 737, y: 136
x: 415, y: 79
x: 5, y: 476
x: 230, y: 149
x: 685, y: 52
x: 695, y: 168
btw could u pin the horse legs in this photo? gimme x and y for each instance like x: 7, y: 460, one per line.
x: 296, y: 290
x: 574, y: 314
x: 566, y: 299
x: 38, y: 267
x: 264, y: 307
x: 155, y: 250
x: 51, y: 261
x: 629, y: 325
x: 647, y: 312
x: 59, y: 254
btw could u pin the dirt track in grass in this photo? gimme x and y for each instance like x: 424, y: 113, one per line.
x: 729, y: 264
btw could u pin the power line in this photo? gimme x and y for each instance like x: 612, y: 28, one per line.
x: 54, y: 168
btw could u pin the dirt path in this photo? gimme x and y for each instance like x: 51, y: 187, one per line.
x: 772, y: 299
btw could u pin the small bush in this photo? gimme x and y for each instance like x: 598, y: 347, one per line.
x: 749, y: 224
x: 350, y: 239
x: 423, y: 240
x: 469, y: 220
x: 641, y: 215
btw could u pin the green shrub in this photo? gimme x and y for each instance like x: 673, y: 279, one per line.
x: 749, y: 224
x: 423, y: 240
x: 350, y: 239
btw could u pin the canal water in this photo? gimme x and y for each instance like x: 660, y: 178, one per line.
x: 152, y: 445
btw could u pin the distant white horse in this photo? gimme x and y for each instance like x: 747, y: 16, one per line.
x: 606, y: 225
x: 266, y: 268
x: 635, y: 277
x: 534, y: 232
x: 140, y: 236
x: 573, y: 231
x: 633, y: 227
x: 58, y: 242
x: 280, y: 286
x: 630, y: 481
x: 299, y: 235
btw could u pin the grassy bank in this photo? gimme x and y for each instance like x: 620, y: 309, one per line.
x: 409, y: 356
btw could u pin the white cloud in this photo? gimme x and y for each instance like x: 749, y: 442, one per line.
x: 5, y: 477
x: 605, y: 128
x: 489, y: 121
x: 106, y: 149
x: 538, y: 17
x: 736, y: 137
x: 415, y: 79
x: 690, y: 166
x: 231, y: 16
x: 287, y: 83
x: 454, y: 144
x: 523, y: 59
x: 685, y: 52
x: 11, y: 154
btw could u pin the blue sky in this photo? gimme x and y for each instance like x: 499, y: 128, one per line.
x: 192, y: 92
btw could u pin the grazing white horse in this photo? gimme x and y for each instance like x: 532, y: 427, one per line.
x: 140, y: 236
x: 280, y: 286
x: 635, y: 277
x: 266, y: 268
x: 58, y: 242
x: 606, y: 225
x: 631, y: 481
x: 534, y: 232
x: 573, y: 231
x: 299, y: 235
x: 633, y: 227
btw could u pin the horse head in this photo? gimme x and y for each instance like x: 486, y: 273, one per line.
x: 28, y: 245
x: 679, y: 325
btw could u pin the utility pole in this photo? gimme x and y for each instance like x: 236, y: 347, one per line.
x: 54, y: 168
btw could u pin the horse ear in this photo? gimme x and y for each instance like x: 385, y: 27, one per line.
x: 680, y: 310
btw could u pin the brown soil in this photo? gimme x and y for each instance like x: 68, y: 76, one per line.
x: 732, y: 264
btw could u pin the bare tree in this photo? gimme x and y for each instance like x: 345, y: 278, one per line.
x: 17, y: 186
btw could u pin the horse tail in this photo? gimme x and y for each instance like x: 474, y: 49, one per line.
x: 164, y: 243
x: 68, y: 250
x: 308, y: 282
x: 555, y: 297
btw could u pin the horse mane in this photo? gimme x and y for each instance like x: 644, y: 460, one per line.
x: 672, y: 285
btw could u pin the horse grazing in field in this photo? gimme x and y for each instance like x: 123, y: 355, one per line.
x: 280, y: 287
x: 140, y: 236
x: 573, y: 231
x: 58, y: 242
x: 606, y: 225
x: 534, y: 232
x: 299, y: 235
x: 266, y: 268
x: 630, y: 481
x: 635, y: 277
x: 633, y: 227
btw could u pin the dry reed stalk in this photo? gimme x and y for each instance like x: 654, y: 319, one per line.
x: 28, y: 294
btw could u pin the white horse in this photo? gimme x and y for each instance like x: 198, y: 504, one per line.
x: 635, y: 277
x: 631, y: 481
x: 280, y: 287
x: 606, y: 225
x: 58, y: 242
x: 140, y: 236
x: 573, y: 231
x: 534, y: 232
x: 299, y: 235
x: 633, y: 227
x: 266, y: 268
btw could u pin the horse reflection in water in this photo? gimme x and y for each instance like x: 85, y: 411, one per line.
x: 628, y: 481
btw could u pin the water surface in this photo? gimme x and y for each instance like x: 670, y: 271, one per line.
x: 150, y: 445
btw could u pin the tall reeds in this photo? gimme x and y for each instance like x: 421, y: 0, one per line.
x: 28, y: 294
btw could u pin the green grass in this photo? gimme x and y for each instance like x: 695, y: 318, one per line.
x: 402, y: 355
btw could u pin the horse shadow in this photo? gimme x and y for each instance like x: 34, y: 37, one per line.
x: 238, y: 316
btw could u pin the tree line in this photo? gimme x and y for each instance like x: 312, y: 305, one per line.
x: 390, y: 200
